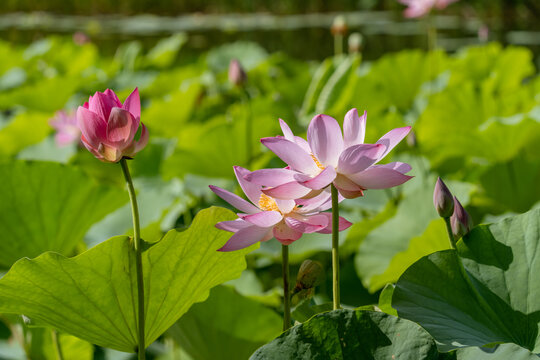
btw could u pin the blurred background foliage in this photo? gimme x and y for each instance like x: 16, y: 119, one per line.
x: 474, y: 107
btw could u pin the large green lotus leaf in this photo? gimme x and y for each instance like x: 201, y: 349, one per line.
x: 48, y: 206
x: 226, y: 326
x: 164, y: 53
x: 47, y: 95
x: 250, y: 55
x: 164, y: 116
x: 26, y: 128
x: 214, y: 148
x: 474, y: 121
x: 351, y: 334
x: 489, y: 294
x: 94, y: 296
x: 501, y: 352
x: 385, y: 253
x: 507, y: 67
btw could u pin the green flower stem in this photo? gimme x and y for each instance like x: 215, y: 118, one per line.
x: 57, y: 346
x: 286, y: 288
x: 335, y: 246
x: 450, y: 233
x: 138, y: 258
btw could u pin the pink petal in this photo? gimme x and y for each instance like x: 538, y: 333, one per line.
x: 398, y: 166
x: 93, y: 150
x: 321, y: 202
x: 246, y: 237
x: 264, y: 218
x: 252, y: 190
x: 133, y: 104
x: 392, y: 138
x: 343, y: 224
x: 307, y: 224
x: 92, y: 126
x: 233, y: 225
x: 102, y: 103
x: 284, y: 234
x: 359, y: 157
x: 143, y: 140
x: 292, y: 154
x: 271, y: 177
x: 344, y: 183
x: 325, y: 139
x: 285, y: 206
x: 292, y: 190
x: 354, y: 128
x: 379, y: 178
x: 347, y: 194
x: 303, y: 144
x: 320, y: 181
x: 287, y: 132
x: 235, y: 200
x: 120, y: 127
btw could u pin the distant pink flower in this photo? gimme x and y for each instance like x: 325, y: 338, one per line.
x: 419, y: 8
x: 330, y: 157
x: 286, y: 220
x: 67, y: 131
x: 109, y: 128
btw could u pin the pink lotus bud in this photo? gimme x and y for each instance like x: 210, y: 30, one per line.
x: 483, y: 33
x: 339, y: 26
x: 109, y: 128
x: 442, y: 199
x: 460, y: 220
x: 237, y: 75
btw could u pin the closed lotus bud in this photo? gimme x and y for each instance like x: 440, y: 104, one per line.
x: 442, y: 199
x: 339, y: 26
x: 355, y: 43
x: 109, y: 128
x: 311, y: 274
x: 237, y: 75
x: 460, y: 220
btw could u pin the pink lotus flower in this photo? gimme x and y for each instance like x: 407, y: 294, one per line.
x: 67, y: 131
x: 329, y: 157
x: 109, y: 128
x: 286, y: 220
x: 419, y: 8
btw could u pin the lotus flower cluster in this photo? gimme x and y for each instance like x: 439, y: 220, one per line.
x: 109, y: 128
x: 287, y: 202
x: 419, y: 8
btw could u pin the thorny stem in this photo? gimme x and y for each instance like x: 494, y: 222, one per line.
x: 138, y: 258
x: 335, y: 247
x: 286, y: 288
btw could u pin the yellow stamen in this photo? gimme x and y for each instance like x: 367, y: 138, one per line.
x: 267, y: 203
x: 319, y: 165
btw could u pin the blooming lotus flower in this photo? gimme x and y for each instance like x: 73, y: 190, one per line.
x: 109, y: 128
x: 330, y: 157
x: 67, y: 131
x: 419, y: 8
x: 265, y: 217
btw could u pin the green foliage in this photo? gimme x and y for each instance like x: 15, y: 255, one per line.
x: 351, y: 334
x: 235, y: 326
x: 486, y: 295
x: 48, y: 206
x: 93, y: 295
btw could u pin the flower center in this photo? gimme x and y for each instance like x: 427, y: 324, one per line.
x: 319, y: 165
x: 267, y: 203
